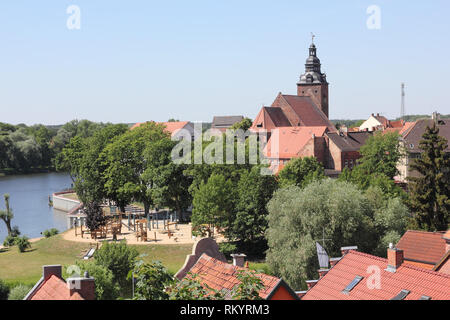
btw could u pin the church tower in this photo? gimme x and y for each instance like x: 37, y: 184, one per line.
x: 313, y: 83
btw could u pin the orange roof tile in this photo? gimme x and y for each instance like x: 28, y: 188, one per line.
x: 219, y: 275
x: 423, y: 247
x: 420, y: 282
x: 54, y: 288
x: 171, y: 127
x: 287, y: 142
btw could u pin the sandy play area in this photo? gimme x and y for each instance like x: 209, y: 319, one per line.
x: 180, y: 234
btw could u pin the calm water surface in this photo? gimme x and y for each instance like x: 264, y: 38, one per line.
x: 29, y: 202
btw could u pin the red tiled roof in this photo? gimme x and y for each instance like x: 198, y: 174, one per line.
x: 219, y: 275
x: 424, y: 247
x: 54, y: 288
x: 308, y: 112
x: 420, y: 282
x: 291, y: 140
x: 171, y: 127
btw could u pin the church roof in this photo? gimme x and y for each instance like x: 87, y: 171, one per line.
x: 309, y: 114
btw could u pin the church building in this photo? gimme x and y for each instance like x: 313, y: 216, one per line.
x: 298, y: 125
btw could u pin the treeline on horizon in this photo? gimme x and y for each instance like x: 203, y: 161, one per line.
x: 37, y: 148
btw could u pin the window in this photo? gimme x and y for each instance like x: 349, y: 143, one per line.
x: 425, y: 298
x: 352, y: 284
x: 402, y: 295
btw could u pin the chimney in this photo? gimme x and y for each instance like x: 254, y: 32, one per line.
x: 311, y: 283
x: 51, y: 270
x: 322, y: 272
x: 238, y: 259
x: 333, y: 261
x: 345, y: 250
x: 84, y: 286
x: 395, y: 258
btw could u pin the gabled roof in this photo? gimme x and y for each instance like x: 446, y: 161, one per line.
x: 307, y: 111
x: 420, y: 282
x: 352, y: 141
x: 414, y: 134
x: 53, y: 288
x: 422, y: 247
x: 287, y: 142
x: 219, y: 275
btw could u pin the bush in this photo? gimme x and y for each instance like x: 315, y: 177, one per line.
x: 9, y: 241
x: 22, y: 243
x: 50, y: 233
x: 19, y: 292
x: 105, y: 287
x: 4, y: 290
x: 119, y: 258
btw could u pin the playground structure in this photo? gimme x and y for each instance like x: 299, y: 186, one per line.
x: 133, y: 224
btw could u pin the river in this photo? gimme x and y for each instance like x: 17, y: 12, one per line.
x: 29, y: 202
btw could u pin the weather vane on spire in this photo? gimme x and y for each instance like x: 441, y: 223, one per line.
x: 313, y: 36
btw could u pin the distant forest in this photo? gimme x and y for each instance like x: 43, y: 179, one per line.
x: 37, y: 148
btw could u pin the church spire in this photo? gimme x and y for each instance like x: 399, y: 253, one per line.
x: 313, y: 83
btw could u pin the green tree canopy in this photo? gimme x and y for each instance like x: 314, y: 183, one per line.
x: 213, y: 203
x: 430, y: 191
x: 300, y: 172
x: 299, y: 217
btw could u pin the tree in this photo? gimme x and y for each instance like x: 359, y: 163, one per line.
x: 253, y: 193
x: 7, y: 215
x: 391, y: 218
x: 94, y: 215
x: 379, y: 158
x: 119, y: 258
x: 300, y: 172
x: 105, y: 286
x: 125, y: 165
x: 213, y: 203
x: 190, y: 288
x: 249, y: 286
x: 169, y: 185
x: 152, y: 281
x: 299, y: 217
x: 430, y: 191
x: 244, y: 124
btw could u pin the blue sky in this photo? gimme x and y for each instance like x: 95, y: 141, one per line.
x: 154, y: 60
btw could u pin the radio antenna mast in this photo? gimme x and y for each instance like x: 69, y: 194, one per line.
x: 402, y: 111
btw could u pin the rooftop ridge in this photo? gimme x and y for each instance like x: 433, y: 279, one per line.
x: 404, y: 265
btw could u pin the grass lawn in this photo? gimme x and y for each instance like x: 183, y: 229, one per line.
x: 16, y: 267
x: 26, y: 267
